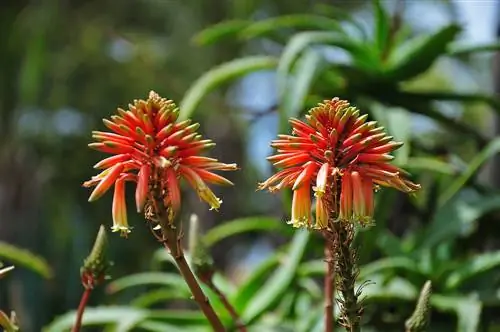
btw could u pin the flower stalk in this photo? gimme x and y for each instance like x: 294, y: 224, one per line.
x: 204, y: 269
x: 93, y: 273
x: 171, y: 240
x: 351, y: 308
x: 343, y: 159
x: 329, y: 283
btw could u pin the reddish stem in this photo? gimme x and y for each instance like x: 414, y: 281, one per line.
x: 329, y: 287
x: 81, y: 309
x: 176, y: 251
x: 229, y: 307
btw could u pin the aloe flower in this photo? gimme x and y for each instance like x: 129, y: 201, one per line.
x: 150, y: 147
x: 336, y: 151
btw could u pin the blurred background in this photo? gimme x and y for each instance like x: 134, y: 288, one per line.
x: 68, y: 64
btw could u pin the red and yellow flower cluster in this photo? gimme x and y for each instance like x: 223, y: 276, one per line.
x: 150, y: 147
x: 340, y: 152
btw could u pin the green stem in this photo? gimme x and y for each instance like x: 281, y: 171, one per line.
x: 347, y: 271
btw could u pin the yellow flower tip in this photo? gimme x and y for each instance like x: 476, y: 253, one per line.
x: 208, y: 196
x: 124, y: 230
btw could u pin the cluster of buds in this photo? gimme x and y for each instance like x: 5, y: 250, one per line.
x: 344, y: 155
x: 153, y: 149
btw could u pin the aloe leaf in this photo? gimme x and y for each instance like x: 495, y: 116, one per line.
x: 300, y: 21
x: 417, y: 55
x: 476, y: 265
x: 148, y: 278
x: 278, y: 284
x: 219, y: 75
x: 489, y: 151
x: 24, y: 258
x: 220, y: 31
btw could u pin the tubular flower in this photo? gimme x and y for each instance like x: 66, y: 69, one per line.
x: 151, y: 148
x: 341, y: 157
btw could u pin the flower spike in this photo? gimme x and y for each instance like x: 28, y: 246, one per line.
x: 152, y: 149
x: 339, y: 154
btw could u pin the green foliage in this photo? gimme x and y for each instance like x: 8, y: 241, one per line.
x: 24, y: 258
x: 219, y: 75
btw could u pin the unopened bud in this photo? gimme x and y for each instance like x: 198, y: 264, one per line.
x: 420, y: 318
x: 95, y: 266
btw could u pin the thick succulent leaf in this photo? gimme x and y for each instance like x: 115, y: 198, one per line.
x: 219, y: 75
x: 163, y: 295
x: 102, y: 316
x: 255, y: 281
x: 396, y: 289
x: 417, y: 55
x: 220, y: 31
x: 307, y: 68
x: 457, y: 49
x: 457, y: 217
x: 242, y: 225
x: 278, y: 284
x: 398, y: 124
x: 361, y: 54
x: 390, y: 264
x: 382, y: 28
x: 468, y: 310
x: 24, y: 258
x: 298, y: 21
x: 149, y: 278
x: 418, y: 105
x: 473, y: 267
x: 428, y: 164
x: 489, y: 151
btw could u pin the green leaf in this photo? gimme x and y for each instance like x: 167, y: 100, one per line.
x: 456, y: 218
x: 241, y: 225
x: 257, y: 278
x: 219, y: 75
x: 489, y: 151
x: 428, y: 164
x: 305, y: 71
x: 106, y: 315
x: 398, y: 123
x: 390, y: 264
x: 97, y: 316
x: 476, y: 265
x: 418, y: 105
x: 492, y: 101
x: 148, y: 278
x: 148, y: 299
x: 301, y: 41
x: 468, y: 310
x: 312, y: 268
x: 301, y: 21
x: 457, y: 49
x: 24, y: 258
x: 396, y: 289
x: 153, y: 326
x: 382, y: 28
x: 220, y: 31
x: 278, y: 284
x: 417, y: 55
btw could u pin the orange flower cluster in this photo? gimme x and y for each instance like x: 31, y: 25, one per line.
x: 150, y: 147
x: 340, y: 152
